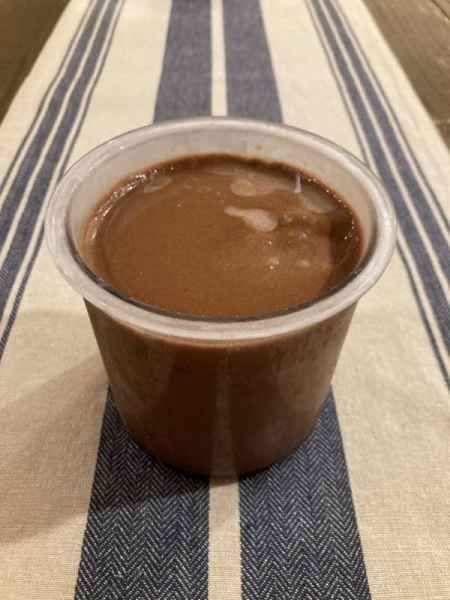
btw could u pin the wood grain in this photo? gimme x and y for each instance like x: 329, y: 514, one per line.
x: 24, y: 27
x: 444, y: 5
x: 418, y: 32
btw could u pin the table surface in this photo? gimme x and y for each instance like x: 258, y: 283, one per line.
x: 25, y: 25
x: 360, y: 510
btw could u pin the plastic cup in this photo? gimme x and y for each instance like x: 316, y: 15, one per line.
x: 228, y: 396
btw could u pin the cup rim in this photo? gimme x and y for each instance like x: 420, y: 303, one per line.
x: 173, y: 324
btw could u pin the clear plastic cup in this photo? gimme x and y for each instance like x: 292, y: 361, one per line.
x: 218, y: 397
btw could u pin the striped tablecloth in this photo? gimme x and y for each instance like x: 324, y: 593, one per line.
x: 362, y: 510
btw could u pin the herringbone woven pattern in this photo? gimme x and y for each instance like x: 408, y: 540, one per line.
x: 299, y: 534
x: 84, y: 512
x: 147, y: 531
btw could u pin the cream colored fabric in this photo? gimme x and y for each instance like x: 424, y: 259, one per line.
x: 224, y: 570
x: 52, y: 382
x: 394, y: 408
x: 224, y: 541
x: 393, y: 405
x: 219, y: 90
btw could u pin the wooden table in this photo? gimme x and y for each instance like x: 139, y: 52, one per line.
x: 417, y: 30
x: 419, y: 33
x: 24, y: 27
x: 364, y: 502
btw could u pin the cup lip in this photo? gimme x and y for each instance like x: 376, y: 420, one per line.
x: 172, y: 324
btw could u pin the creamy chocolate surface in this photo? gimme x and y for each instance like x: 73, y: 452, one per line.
x: 221, y: 236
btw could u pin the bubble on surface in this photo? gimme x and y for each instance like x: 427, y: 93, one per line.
x: 303, y: 263
x: 156, y: 183
x: 319, y: 204
x: 273, y: 262
x: 256, y: 218
x: 243, y: 187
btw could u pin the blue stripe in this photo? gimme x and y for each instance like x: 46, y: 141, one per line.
x: 251, y: 87
x: 44, y: 99
x: 147, y: 528
x: 19, y: 295
x: 30, y: 215
x: 362, y: 149
x: 18, y: 299
x: 431, y: 283
x: 423, y: 316
x: 299, y: 537
x: 181, y: 94
x: 46, y: 126
x: 394, y: 118
x: 441, y: 362
x: 299, y: 534
x: 404, y: 169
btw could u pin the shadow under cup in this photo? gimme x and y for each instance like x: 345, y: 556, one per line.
x: 218, y: 397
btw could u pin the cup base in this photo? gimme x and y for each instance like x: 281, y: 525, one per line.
x: 233, y: 470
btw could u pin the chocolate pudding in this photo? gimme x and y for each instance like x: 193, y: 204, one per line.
x: 220, y: 238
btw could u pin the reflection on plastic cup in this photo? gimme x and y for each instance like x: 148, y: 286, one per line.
x: 219, y: 397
